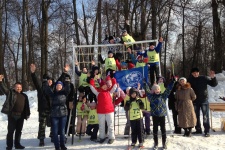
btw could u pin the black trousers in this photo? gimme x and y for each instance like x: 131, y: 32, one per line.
x: 14, y: 124
x: 92, y: 130
x: 175, y: 117
x: 137, y: 130
x: 159, y: 121
x: 154, y: 70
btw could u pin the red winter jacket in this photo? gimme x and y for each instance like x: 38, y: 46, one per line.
x: 105, y: 102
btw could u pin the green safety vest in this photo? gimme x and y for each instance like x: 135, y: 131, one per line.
x: 128, y: 38
x: 138, y: 64
x: 146, y: 103
x: 83, y: 80
x: 79, y: 111
x: 110, y: 63
x: 162, y: 87
x: 135, y: 111
x: 153, y: 56
x: 93, y: 117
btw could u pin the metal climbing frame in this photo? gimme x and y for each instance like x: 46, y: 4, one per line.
x: 86, y: 53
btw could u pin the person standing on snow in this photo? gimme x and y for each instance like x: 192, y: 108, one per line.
x: 17, y: 108
x: 199, y: 85
x: 44, y: 104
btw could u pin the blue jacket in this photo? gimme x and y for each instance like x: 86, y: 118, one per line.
x: 158, y: 101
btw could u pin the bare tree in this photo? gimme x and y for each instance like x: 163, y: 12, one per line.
x: 218, y: 60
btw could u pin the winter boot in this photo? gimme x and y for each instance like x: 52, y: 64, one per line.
x: 9, y: 142
x: 185, y: 132
x: 177, y: 130
x: 42, y: 143
x: 189, y: 132
x: 155, y: 137
x: 17, y: 141
x: 63, y: 147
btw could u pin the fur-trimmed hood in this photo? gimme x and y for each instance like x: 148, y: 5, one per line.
x: 186, y: 86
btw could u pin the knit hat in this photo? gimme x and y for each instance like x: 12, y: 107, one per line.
x: 95, y: 68
x: 92, y: 104
x: 183, y: 78
x: 124, y: 31
x: 110, y: 52
x: 139, y: 56
x: 110, y: 38
x: 123, y: 64
x: 194, y: 70
x: 151, y: 43
x: 102, y: 83
x: 59, y: 82
x: 155, y: 86
x: 107, y: 78
x: 133, y: 90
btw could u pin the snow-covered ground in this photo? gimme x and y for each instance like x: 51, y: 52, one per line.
x: 176, y: 142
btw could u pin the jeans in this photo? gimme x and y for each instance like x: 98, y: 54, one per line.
x: 58, y: 127
x: 205, y: 112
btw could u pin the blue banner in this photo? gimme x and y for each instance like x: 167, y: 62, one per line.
x: 131, y: 77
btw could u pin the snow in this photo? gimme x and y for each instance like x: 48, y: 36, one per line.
x: 176, y: 142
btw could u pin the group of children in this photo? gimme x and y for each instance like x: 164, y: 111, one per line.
x: 138, y: 103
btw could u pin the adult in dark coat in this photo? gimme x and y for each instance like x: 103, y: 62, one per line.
x: 70, y: 101
x: 199, y: 85
x: 17, y: 108
x: 59, y: 110
x: 44, y: 103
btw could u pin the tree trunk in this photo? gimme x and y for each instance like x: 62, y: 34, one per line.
x: 218, y: 60
x: 24, y: 53
x: 99, y: 8
x: 30, y: 43
x: 154, y: 22
x: 44, y: 36
x: 85, y: 25
x: 1, y: 44
x: 76, y: 22
x: 167, y: 33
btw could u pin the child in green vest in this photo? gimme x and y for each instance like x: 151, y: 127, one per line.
x: 161, y: 81
x: 153, y: 59
x: 92, y: 122
x: 110, y: 63
x: 82, y: 115
x: 146, y: 110
x: 134, y: 106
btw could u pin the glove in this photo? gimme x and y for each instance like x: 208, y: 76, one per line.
x: 174, y: 78
x: 223, y: 98
x: 139, y: 101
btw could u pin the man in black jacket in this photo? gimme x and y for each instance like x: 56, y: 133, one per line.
x: 17, y: 108
x: 199, y: 85
x: 44, y: 103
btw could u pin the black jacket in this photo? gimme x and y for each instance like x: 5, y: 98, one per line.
x: 59, y: 108
x: 171, y: 97
x: 44, y: 103
x: 199, y: 85
x: 10, y: 101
